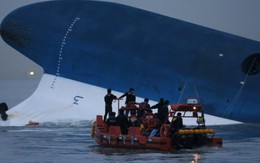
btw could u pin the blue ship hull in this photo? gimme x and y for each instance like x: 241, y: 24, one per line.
x: 115, y: 46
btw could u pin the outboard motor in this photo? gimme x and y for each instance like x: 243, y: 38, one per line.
x: 3, y: 109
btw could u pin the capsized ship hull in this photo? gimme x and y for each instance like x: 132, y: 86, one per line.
x: 116, y: 46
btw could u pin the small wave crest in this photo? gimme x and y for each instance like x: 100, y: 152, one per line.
x: 81, y: 123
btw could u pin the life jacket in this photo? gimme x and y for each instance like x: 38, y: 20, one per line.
x: 149, y: 116
x: 132, y: 118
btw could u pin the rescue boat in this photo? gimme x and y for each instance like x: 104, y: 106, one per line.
x: 32, y: 123
x: 187, y: 137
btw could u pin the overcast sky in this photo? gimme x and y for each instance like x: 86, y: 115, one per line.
x: 239, y: 17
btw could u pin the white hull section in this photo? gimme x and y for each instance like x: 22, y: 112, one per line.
x: 59, y: 99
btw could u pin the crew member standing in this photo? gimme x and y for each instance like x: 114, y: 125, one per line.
x: 159, y: 106
x: 109, y: 97
x: 130, y: 98
x: 163, y: 115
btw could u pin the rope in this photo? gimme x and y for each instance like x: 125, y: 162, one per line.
x: 182, y: 91
x: 195, y: 88
x: 197, y: 94
x: 236, y: 98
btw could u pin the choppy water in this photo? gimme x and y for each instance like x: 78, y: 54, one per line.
x: 71, y: 142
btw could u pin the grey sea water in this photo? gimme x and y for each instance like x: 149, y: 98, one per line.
x: 72, y: 143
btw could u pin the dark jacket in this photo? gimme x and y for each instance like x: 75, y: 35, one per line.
x: 129, y: 97
x: 109, y: 99
x: 176, y: 124
x: 111, y: 121
x: 123, y: 122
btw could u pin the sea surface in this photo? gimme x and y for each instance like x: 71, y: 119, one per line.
x: 72, y: 143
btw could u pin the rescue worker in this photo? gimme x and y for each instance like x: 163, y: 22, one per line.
x: 163, y: 114
x: 201, y: 122
x: 176, y: 123
x: 133, y: 118
x: 159, y: 106
x: 130, y: 98
x: 109, y: 97
x: 143, y: 106
x: 122, y: 121
x: 111, y: 121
